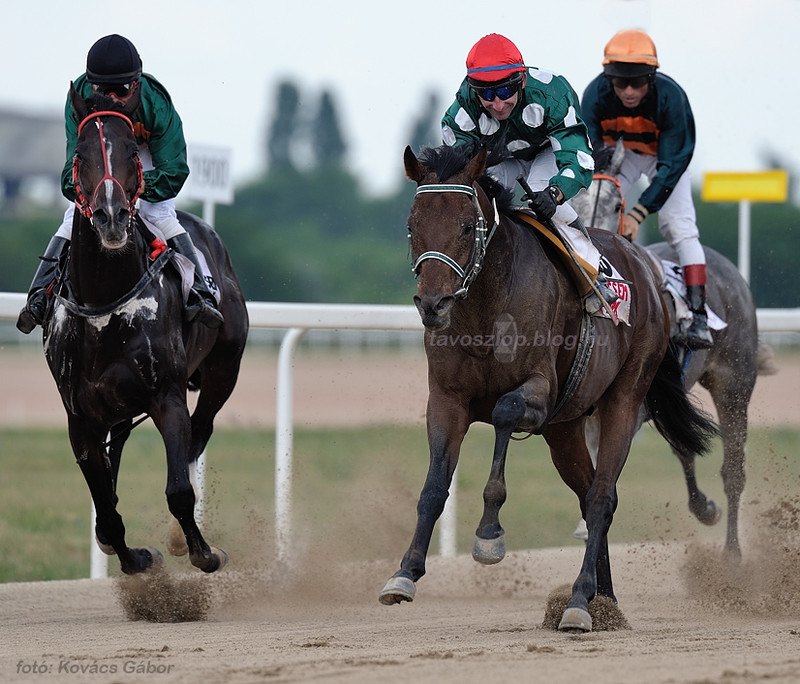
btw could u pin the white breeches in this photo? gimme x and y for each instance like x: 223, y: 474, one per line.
x: 677, y: 221
x: 538, y: 173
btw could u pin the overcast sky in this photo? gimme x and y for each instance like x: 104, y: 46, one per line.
x: 737, y: 60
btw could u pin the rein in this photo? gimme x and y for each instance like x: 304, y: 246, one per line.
x: 482, y: 239
x: 615, y: 181
x: 87, y: 208
x: 147, y: 277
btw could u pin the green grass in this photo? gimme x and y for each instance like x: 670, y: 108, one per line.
x: 354, y: 494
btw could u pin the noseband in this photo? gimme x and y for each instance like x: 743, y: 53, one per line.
x: 85, y: 207
x: 482, y: 238
x: 615, y: 181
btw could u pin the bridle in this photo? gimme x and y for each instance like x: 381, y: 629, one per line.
x: 482, y: 238
x: 85, y: 207
x: 615, y: 181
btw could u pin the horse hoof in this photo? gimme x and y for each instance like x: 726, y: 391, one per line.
x: 222, y: 556
x: 713, y: 514
x: 397, y: 590
x: 581, y: 531
x: 105, y: 548
x: 489, y: 551
x: 155, y: 554
x: 176, y: 539
x: 575, y: 620
x: 216, y: 560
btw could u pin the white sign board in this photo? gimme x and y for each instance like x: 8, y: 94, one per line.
x: 210, y: 179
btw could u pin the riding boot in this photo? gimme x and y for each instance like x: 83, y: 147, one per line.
x: 592, y: 303
x: 201, y: 305
x: 35, y: 309
x: 697, y: 336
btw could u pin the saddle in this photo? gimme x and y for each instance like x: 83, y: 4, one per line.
x: 583, y: 273
x: 673, y: 284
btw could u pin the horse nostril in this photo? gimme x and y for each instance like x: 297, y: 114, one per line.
x: 444, y: 305
x: 438, y: 306
x: 99, y: 216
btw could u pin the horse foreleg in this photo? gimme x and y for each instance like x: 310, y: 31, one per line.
x: 174, y: 425
x: 118, y: 436
x: 90, y: 453
x: 447, y: 424
x: 490, y: 544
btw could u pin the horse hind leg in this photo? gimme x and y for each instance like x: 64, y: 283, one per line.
x: 703, y: 508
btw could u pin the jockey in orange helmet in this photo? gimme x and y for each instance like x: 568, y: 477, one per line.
x: 633, y: 102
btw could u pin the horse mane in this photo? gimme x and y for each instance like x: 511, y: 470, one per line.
x: 103, y: 103
x: 446, y: 161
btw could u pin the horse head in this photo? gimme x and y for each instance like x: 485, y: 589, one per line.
x: 446, y: 228
x: 602, y: 204
x: 107, y: 171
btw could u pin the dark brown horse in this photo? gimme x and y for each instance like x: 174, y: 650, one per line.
x: 116, y: 343
x: 728, y: 370
x: 499, y: 309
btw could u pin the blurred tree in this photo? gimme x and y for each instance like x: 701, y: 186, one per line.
x: 283, y: 127
x: 327, y: 144
x: 427, y: 129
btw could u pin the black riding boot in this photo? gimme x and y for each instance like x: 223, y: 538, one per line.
x: 202, y: 305
x: 35, y: 308
x: 698, y: 336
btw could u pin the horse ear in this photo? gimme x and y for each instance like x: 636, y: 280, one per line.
x: 616, y: 159
x: 78, y: 104
x: 483, y: 199
x: 413, y: 168
x: 477, y: 165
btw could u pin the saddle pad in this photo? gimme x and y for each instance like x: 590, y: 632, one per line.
x: 622, y: 307
x: 185, y: 267
x: 674, y: 284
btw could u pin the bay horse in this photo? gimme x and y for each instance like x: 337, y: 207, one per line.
x: 489, y: 292
x: 727, y: 370
x: 116, y: 343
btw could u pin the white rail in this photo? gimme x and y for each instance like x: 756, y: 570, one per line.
x: 296, y: 319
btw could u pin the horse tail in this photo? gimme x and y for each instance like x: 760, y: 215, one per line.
x: 687, y: 428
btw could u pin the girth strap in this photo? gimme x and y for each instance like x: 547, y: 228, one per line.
x: 579, y: 365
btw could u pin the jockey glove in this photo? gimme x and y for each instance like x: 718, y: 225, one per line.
x: 544, y: 202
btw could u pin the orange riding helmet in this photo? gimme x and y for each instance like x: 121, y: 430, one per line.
x: 630, y: 53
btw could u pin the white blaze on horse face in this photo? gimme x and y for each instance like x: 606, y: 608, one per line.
x: 108, y: 183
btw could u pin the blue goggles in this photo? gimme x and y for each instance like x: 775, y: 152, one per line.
x: 503, y: 91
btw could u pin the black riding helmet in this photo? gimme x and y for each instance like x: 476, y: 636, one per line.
x: 113, y: 60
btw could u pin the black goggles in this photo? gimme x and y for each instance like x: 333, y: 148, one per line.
x: 121, y: 90
x: 635, y: 82
x: 503, y: 91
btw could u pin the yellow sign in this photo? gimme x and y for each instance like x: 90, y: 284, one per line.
x: 756, y: 186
